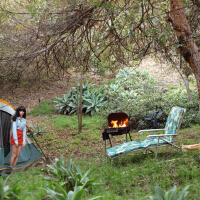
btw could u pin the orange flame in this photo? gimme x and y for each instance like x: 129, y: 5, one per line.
x: 115, y: 123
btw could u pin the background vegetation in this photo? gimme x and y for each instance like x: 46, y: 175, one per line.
x: 134, y: 92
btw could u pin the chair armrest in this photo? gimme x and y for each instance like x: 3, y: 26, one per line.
x: 161, y: 135
x: 150, y: 130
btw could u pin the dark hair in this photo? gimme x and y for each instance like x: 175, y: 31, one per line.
x: 20, y: 108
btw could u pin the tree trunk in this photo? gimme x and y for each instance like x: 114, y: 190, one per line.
x: 79, y: 103
x: 189, y: 49
x: 80, y: 106
x: 186, y: 81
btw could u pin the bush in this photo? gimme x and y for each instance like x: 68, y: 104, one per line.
x: 138, y: 96
x: 70, y: 183
x: 91, y: 101
x: 171, y: 194
x: 69, y: 175
x: 67, y: 104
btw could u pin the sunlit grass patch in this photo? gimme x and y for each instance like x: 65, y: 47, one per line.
x: 71, y: 122
x: 45, y: 108
x: 62, y: 122
x: 94, y: 122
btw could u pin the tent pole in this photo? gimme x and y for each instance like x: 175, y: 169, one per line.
x: 39, y: 147
x: 36, y: 142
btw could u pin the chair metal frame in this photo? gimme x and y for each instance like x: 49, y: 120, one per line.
x: 161, y: 136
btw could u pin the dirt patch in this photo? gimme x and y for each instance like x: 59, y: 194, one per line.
x: 32, y: 99
x: 163, y: 73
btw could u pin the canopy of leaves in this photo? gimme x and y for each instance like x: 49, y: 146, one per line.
x: 46, y: 40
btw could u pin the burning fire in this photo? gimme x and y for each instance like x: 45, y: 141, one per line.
x: 116, y: 124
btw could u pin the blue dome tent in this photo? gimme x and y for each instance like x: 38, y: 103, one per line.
x: 29, y: 153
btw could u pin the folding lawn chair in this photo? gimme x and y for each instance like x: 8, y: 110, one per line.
x: 169, y: 133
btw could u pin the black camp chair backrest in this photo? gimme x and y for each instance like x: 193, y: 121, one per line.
x: 154, y: 116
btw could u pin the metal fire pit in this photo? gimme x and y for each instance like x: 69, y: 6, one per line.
x: 119, y: 127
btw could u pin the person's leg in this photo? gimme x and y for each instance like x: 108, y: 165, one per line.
x: 19, y: 148
x: 14, y: 155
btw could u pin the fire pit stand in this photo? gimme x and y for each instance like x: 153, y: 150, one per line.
x: 118, y: 125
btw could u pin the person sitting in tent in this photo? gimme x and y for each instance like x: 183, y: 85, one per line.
x: 18, y: 134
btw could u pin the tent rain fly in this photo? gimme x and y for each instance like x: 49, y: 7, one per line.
x: 29, y: 153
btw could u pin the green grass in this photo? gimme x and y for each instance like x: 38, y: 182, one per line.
x: 62, y: 122
x: 32, y: 183
x: 131, y: 176
x: 45, y: 108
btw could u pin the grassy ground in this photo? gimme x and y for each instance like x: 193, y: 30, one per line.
x: 132, y: 176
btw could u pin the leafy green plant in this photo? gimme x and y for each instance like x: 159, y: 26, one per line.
x: 37, y: 130
x: 72, y: 106
x: 124, y: 73
x: 143, y: 74
x: 67, y: 174
x: 91, y: 101
x: 8, y: 193
x: 93, y: 104
x: 114, y: 87
x: 86, y: 86
x: 57, y: 193
x: 171, y: 194
x: 62, y: 104
x: 60, y: 194
x: 67, y: 104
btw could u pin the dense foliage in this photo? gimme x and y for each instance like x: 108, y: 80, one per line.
x: 135, y: 93
x: 138, y: 95
x: 43, y: 42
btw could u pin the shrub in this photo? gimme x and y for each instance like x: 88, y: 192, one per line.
x: 138, y: 96
x: 8, y: 193
x: 171, y: 194
x: 59, y: 193
x: 67, y: 104
x: 91, y: 101
x: 131, y: 96
x: 68, y: 175
x: 124, y: 73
